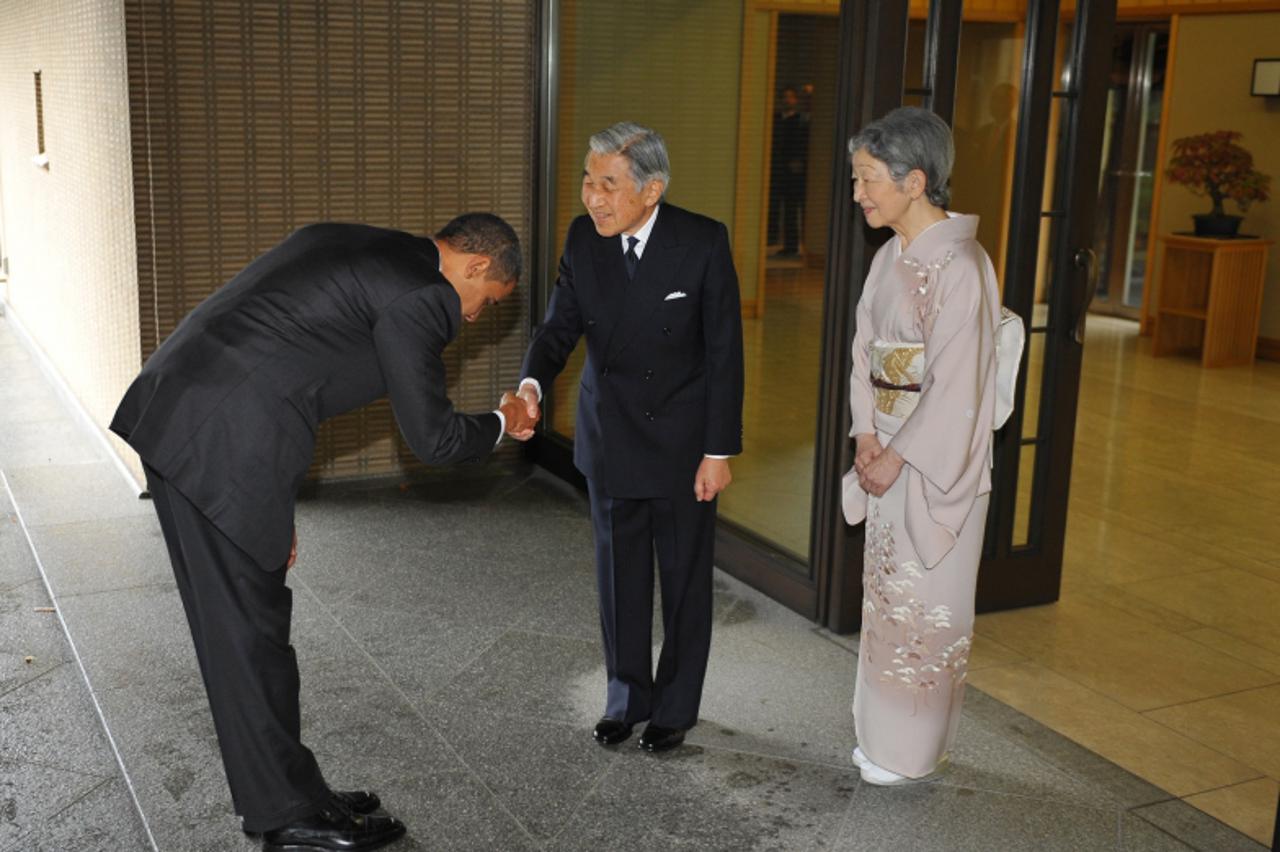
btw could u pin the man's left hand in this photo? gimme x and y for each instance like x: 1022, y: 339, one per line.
x: 713, y: 477
x: 293, y: 551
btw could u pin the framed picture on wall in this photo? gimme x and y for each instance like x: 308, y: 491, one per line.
x: 1266, y: 78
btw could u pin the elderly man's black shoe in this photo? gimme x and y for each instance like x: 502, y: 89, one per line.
x: 611, y: 731
x: 658, y: 738
x: 335, y: 827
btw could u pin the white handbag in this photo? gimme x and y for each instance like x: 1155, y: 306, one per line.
x: 1011, y: 337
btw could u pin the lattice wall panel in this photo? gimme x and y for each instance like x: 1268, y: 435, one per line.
x: 252, y: 118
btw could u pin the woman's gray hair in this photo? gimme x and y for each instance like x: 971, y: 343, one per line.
x: 642, y: 146
x: 910, y: 138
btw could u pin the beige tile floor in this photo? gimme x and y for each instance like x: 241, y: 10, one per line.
x: 1163, y: 654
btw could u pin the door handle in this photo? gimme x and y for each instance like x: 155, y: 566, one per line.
x: 1087, y: 260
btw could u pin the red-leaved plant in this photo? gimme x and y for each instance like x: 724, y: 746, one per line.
x: 1213, y: 164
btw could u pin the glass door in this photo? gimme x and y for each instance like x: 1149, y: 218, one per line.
x: 1051, y: 276
x: 781, y: 529
x: 1135, y: 93
x: 1042, y: 248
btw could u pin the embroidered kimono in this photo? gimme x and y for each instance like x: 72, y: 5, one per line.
x: 924, y: 382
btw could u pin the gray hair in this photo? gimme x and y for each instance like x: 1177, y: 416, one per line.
x: 910, y: 138
x: 642, y: 146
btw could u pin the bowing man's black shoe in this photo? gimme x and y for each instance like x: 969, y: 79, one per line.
x: 658, y: 738
x: 611, y: 731
x: 335, y: 827
x: 360, y: 801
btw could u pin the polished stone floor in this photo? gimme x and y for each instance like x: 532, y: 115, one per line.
x: 447, y: 637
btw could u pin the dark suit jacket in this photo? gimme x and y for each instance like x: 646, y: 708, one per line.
x: 330, y: 319
x: 662, y: 385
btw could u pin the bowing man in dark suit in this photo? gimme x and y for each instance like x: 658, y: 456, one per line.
x: 653, y: 289
x: 224, y: 416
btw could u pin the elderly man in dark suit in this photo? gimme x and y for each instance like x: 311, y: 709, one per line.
x: 224, y: 416
x: 653, y: 289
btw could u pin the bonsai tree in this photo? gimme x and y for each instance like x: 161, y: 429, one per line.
x: 1213, y: 164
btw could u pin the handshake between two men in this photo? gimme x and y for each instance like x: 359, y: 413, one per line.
x: 521, y: 412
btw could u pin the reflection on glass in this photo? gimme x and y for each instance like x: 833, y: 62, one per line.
x: 746, y: 100
x: 984, y: 124
x: 1034, y: 370
x: 1131, y: 132
x: 772, y: 491
x: 1022, y: 503
x: 651, y: 86
x: 749, y: 142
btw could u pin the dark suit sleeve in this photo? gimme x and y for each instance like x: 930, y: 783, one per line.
x: 410, y: 336
x: 554, y: 339
x: 722, y: 330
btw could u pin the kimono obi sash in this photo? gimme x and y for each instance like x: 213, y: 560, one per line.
x: 897, y: 369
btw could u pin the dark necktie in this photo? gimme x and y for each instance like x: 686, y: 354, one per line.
x: 631, y: 258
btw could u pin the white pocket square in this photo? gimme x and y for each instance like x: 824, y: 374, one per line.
x: 675, y: 294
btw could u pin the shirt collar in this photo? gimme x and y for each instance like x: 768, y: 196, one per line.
x: 642, y: 235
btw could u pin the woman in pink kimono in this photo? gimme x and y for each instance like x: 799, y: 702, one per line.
x: 923, y: 400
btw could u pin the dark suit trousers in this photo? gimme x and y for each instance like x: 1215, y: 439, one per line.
x: 239, y: 617
x: 627, y: 532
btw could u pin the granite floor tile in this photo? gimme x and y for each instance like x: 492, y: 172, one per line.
x: 571, y: 608
x: 447, y: 580
x: 51, y: 721
x: 538, y: 770
x: 62, y: 441
x: 65, y: 494
x: 941, y: 818
x: 760, y: 803
x: 421, y: 653
x: 26, y: 397
x: 804, y: 711
x: 31, y: 638
x: 167, y: 741
x: 104, y: 819
x: 1197, y: 829
x: 17, y: 565
x: 32, y: 793
x: 220, y: 834
x: 136, y: 635
x: 535, y: 676
x: 96, y: 556
x: 469, y: 820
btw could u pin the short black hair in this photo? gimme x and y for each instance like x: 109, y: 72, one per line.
x: 488, y: 235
